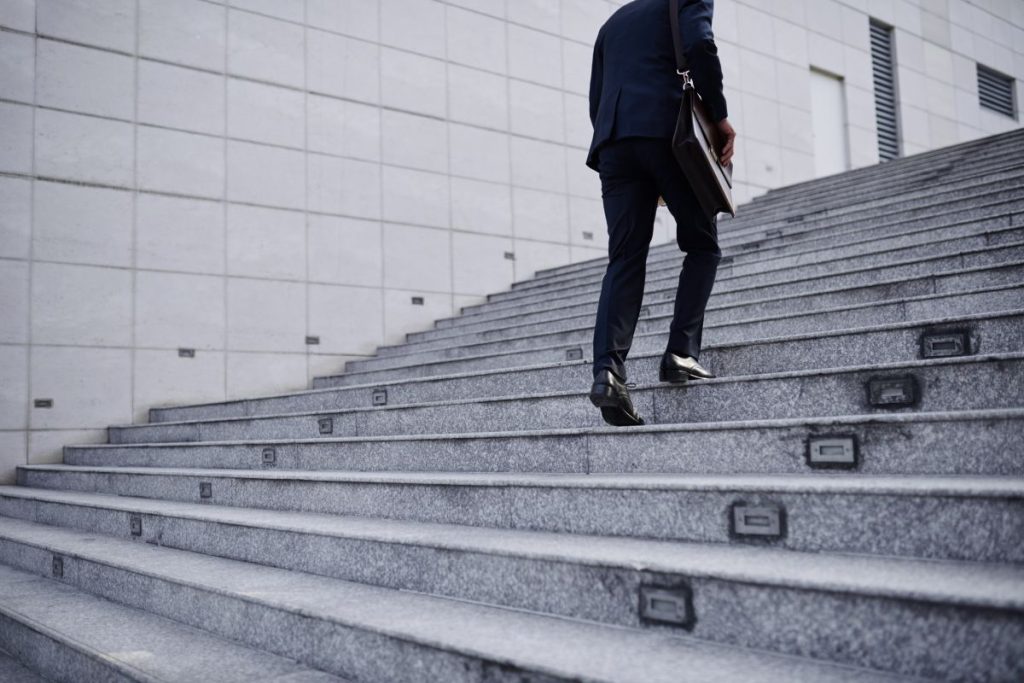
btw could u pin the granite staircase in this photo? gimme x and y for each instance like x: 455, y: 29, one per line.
x: 844, y: 502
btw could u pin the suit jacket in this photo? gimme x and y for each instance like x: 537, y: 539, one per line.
x: 634, y: 89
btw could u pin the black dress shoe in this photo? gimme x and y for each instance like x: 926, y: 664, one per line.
x: 678, y: 369
x: 610, y: 394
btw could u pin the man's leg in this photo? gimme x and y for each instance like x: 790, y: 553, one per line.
x: 630, y: 201
x: 697, y: 236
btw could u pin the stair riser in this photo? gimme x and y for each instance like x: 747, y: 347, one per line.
x: 797, y: 238
x: 55, y: 660
x: 652, y: 334
x: 559, y: 587
x: 583, y: 316
x: 981, y: 529
x: 923, y: 447
x: 1002, y: 237
x: 727, y: 292
x: 990, y: 216
x: 750, y: 225
x: 993, y: 334
x: 390, y: 370
x: 958, y: 386
x: 261, y: 625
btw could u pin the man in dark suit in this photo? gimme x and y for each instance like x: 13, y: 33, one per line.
x: 635, y: 94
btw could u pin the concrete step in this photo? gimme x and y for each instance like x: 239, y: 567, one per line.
x: 764, y: 285
x: 803, y: 236
x: 584, y: 317
x: 11, y: 671
x: 986, y: 332
x: 955, y: 442
x: 720, y: 327
x: 880, y: 178
x: 974, y: 518
x: 67, y: 634
x: 866, y: 314
x: 920, y: 168
x: 977, y: 382
x: 815, y: 593
x: 766, y: 273
x: 412, y: 637
x: 756, y: 222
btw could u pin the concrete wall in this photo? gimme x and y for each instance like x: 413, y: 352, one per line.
x: 234, y: 177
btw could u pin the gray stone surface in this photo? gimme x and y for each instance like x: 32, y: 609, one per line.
x: 960, y: 442
x: 412, y: 637
x: 13, y: 672
x: 68, y: 635
x: 988, y: 213
x: 485, y: 525
x: 989, y: 333
x: 551, y: 573
x: 964, y: 517
x: 976, y: 382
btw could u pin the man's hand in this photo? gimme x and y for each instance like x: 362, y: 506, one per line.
x: 726, y: 136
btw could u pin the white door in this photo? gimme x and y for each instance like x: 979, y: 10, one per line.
x: 828, y: 116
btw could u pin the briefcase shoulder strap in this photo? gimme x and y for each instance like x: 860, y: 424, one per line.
x: 677, y: 38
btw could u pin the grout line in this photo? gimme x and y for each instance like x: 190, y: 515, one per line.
x: 134, y: 274
x: 30, y: 347
x: 224, y: 210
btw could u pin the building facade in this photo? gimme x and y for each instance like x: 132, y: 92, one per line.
x: 202, y: 200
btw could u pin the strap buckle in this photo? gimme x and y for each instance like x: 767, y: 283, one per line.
x: 685, y: 75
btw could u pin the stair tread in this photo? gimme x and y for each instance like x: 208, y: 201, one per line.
x: 535, y: 642
x: 384, y: 383
x: 872, y: 418
x: 140, y: 645
x: 958, y: 485
x: 994, y: 586
x: 767, y: 376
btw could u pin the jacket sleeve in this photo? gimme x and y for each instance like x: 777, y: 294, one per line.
x: 702, y: 54
x: 596, y: 77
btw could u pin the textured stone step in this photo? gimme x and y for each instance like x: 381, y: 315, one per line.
x: 766, y: 285
x: 987, y: 332
x: 729, y: 326
x: 822, y: 264
x: 888, y: 177
x: 580, y: 317
x: 921, y: 167
x: 959, y: 442
x: 964, y: 383
x: 907, y: 309
x: 11, y: 671
x: 70, y: 635
x: 960, y: 518
x: 553, y: 573
x: 411, y: 636
x: 833, y: 230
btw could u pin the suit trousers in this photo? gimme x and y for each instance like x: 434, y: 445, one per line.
x: 634, y: 172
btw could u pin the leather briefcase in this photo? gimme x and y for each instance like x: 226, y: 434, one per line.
x: 695, y: 142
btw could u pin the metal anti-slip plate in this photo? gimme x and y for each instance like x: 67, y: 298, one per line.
x: 765, y: 521
x: 945, y: 344
x: 833, y: 451
x: 57, y: 567
x: 380, y: 397
x: 574, y: 354
x: 135, y: 523
x: 269, y: 456
x: 667, y: 605
x: 325, y: 425
x: 893, y: 391
x: 205, y: 489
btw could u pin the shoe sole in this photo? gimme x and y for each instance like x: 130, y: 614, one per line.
x: 677, y: 376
